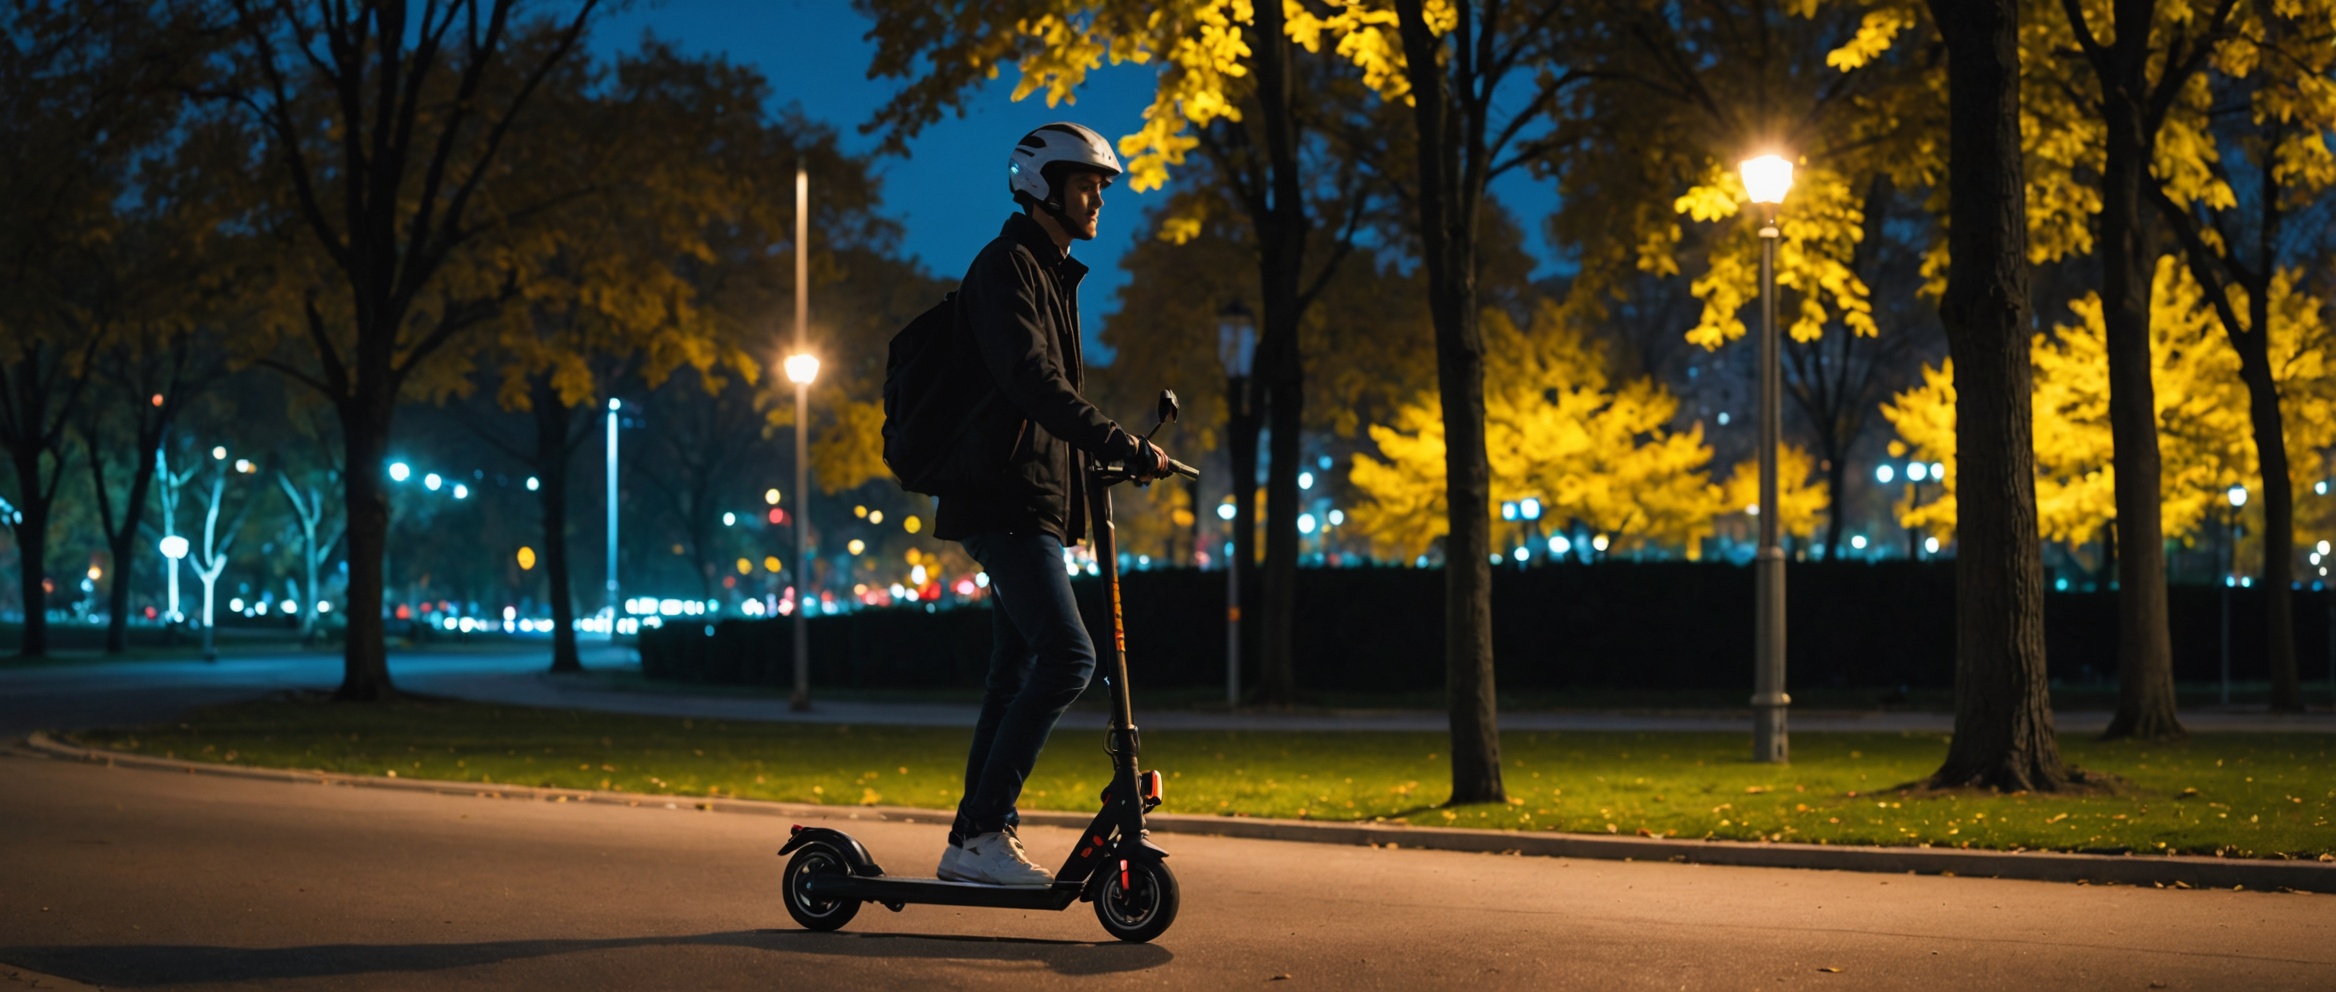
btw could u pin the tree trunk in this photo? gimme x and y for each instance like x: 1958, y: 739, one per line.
x: 1281, y: 235
x: 311, y: 558
x: 1447, y: 227
x: 552, y: 456
x: 123, y: 545
x: 1836, y: 479
x: 2287, y: 694
x: 2145, y: 651
x: 2145, y: 680
x: 32, y: 551
x: 2003, y: 737
x: 365, y: 654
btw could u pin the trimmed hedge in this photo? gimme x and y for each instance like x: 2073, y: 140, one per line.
x: 1608, y: 625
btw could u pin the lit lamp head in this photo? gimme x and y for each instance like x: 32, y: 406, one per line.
x: 801, y: 369
x: 1767, y: 178
x: 174, y: 547
x: 2238, y: 496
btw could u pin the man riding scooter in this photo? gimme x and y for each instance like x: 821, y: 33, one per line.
x: 1018, y: 327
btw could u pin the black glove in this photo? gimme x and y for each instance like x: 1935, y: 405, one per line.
x: 1149, y: 464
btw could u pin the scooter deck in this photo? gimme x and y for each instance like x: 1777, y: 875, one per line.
x: 933, y: 891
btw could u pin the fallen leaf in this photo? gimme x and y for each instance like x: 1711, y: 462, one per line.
x: 1832, y: 970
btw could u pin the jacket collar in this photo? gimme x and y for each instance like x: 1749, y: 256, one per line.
x: 1029, y: 234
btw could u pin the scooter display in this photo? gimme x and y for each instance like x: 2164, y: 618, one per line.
x: 1113, y: 864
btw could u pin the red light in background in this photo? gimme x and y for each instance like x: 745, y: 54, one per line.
x: 778, y: 516
x: 403, y: 613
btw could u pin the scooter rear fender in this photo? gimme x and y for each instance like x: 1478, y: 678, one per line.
x: 853, y: 854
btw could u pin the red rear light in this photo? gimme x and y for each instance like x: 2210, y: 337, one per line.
x: 1154, y: 786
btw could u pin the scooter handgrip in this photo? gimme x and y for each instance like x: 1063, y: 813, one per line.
x: 1182, y: 469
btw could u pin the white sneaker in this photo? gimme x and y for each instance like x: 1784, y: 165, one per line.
x: 995, y: 859
x: 950, y: 856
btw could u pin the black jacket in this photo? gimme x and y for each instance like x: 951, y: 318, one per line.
x: 1017, y: 340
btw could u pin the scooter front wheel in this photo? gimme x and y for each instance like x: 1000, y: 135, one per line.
x: 1138, y: 901
x: 813, y: 912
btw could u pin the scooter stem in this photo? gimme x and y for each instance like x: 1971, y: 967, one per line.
x: 1114, y: 660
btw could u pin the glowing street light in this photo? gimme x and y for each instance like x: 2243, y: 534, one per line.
x: 1766, y: 179
x: 400, y: 472
x: 802, y: 367
x: 174, y: 548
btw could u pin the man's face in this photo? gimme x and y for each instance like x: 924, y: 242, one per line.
x: 1083, y: 204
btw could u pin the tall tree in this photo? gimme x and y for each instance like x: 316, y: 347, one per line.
x: 1457, y: 65
x: 2277, y: 71
x: 2003, y: 714
x: 2140, y: 64
x: 91, y: 93
x: 386, y: 123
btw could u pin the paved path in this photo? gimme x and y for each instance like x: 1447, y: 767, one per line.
x: 136, y: 879
x: 64, y: 697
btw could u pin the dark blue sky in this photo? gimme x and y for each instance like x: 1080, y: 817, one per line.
x: 949, y: 194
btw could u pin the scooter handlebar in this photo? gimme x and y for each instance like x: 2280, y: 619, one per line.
x: 1118, y: 470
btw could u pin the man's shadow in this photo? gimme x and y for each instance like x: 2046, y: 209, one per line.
x: 135, y: 965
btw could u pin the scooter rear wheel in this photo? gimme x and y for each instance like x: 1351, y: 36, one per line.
x: 812, y: 912
x: 1138, y: 903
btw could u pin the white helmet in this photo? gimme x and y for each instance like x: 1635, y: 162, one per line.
x: 1061, y: 142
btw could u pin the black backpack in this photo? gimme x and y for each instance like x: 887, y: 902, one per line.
x: 918, y: 429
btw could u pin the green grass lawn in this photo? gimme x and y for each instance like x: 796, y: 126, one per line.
x: 2240, y: 795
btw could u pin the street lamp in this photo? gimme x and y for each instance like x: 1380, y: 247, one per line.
x: 614, y: 405
x: 174, y: 548
x: 1237, y: 348
x: 1767, y: 178
x: 2238, y: 498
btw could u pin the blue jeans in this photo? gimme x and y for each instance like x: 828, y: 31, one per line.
x: 1040, y: 660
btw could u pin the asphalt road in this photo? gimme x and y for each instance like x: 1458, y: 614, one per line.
x: 139, y: 879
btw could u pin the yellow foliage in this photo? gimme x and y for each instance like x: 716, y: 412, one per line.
x: 1201, y: 49
x: 849, y: 451
x: 2204, y: 446
x: 1555, y: 430
x: 1800, y: 493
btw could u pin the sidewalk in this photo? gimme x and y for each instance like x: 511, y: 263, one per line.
x: 591, y: 691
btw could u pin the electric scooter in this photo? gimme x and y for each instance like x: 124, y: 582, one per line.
x: 1114, y: 864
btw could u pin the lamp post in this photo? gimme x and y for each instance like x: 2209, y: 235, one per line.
x: 1767, y: 178
x: 614, y: 613
x: 2238, y: 497
x: 802, y: 367
x: 1237, y: 348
